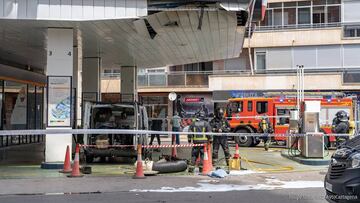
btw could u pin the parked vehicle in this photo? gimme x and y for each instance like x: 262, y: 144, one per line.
x: 113, y: 116
x: 244, y: 115
x: 342, y: 182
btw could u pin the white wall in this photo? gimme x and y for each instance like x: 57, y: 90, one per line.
x: 72, y: 9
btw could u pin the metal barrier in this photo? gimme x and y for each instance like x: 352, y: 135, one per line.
x: 125, y: 132
x: 13, y: 140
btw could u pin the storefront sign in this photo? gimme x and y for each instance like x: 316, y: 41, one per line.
x: 194, y: 100
x: 59, y: 101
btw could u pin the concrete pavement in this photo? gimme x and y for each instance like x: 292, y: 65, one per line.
x: 275, y: 196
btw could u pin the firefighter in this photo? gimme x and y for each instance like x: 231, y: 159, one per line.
x: 199, y: 125
x: 265, y: 128
x: 341, y: 125
x: 219, y: 124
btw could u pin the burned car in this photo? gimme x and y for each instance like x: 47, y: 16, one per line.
x: 129, y: 116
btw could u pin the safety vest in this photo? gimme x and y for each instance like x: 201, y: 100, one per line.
x: 199, y: 137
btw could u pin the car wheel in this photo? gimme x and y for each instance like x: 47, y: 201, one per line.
x: 244, y: 141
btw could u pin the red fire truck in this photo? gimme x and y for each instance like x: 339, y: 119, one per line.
x: 244, y: 115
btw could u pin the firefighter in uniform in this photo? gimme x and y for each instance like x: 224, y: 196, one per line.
x: 265, y: 127
x: 341, y: 125
x: 199, y: 125
x: 219, y: 124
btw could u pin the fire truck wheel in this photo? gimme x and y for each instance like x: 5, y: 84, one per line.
x: 243, y: 141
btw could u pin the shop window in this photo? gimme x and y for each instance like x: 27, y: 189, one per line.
x: 250, y: 106
x: 39, y: 107
x: 15, y: 101
x: 31, y: 109
x: 261, y: 107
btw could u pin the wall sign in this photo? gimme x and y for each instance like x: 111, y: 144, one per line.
x: 59, y: 101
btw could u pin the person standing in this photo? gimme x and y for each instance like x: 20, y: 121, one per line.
x: 341, y: 125
x: 156, y: 125
x: 176, y: 125
x: 199, y: 125
x: 219, y: 124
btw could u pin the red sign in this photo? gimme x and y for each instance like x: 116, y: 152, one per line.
x: 193, y: 100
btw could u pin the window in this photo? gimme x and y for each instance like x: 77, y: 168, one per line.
x: 352, y: 31
x: 289, y: 16
x: 283, y: 115
x: 191, y: 67
x: 351, y: 78
x: 260, y: 61
x: 236, y: 107
x: 206, y: 66
x: 277, y: 17
x: 333, y: 13
x: 304, y: 15
x: 262, y: 107
x: 250, y: 106
x: 319, y: 14
x: 268, y: 18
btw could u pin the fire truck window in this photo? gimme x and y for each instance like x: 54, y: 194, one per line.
x: 236, y: 107
x: 283, y: 116
x: 261, y: 107
x: 250, y: 106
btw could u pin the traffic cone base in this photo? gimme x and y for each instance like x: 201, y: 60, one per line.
x: 67, y: 165
x: 139, y: 174
x: 76, y: 166
x: 206, y: 165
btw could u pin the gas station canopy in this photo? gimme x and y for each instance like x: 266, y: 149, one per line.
x: 125, y: 32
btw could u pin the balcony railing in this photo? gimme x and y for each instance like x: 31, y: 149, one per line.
x: 296, y: 26
x: 181, y: 79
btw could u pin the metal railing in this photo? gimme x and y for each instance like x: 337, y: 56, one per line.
x: 182, y: 79
x: 297, y: 26
x: 7, y: 140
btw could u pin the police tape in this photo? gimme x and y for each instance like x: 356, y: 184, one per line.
x: 127, y: 132
x: 146, y: 146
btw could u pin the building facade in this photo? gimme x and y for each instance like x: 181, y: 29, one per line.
x: 321, y: 35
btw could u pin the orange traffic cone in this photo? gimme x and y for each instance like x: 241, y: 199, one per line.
x: 236, y: 155
x: 210, y: 156
x: 76, y: 167
x: 206, y: 165
x: 173, y: 151
x: 67, y: 164
x: 139, y: 166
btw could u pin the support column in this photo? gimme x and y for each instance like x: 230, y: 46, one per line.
x: 91, y: 79
x: 59, y: 92
x: 129, y: 84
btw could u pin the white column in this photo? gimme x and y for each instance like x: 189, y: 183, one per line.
x: 59, y: 63
x: 129, y: 84
x: 91, y: 79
